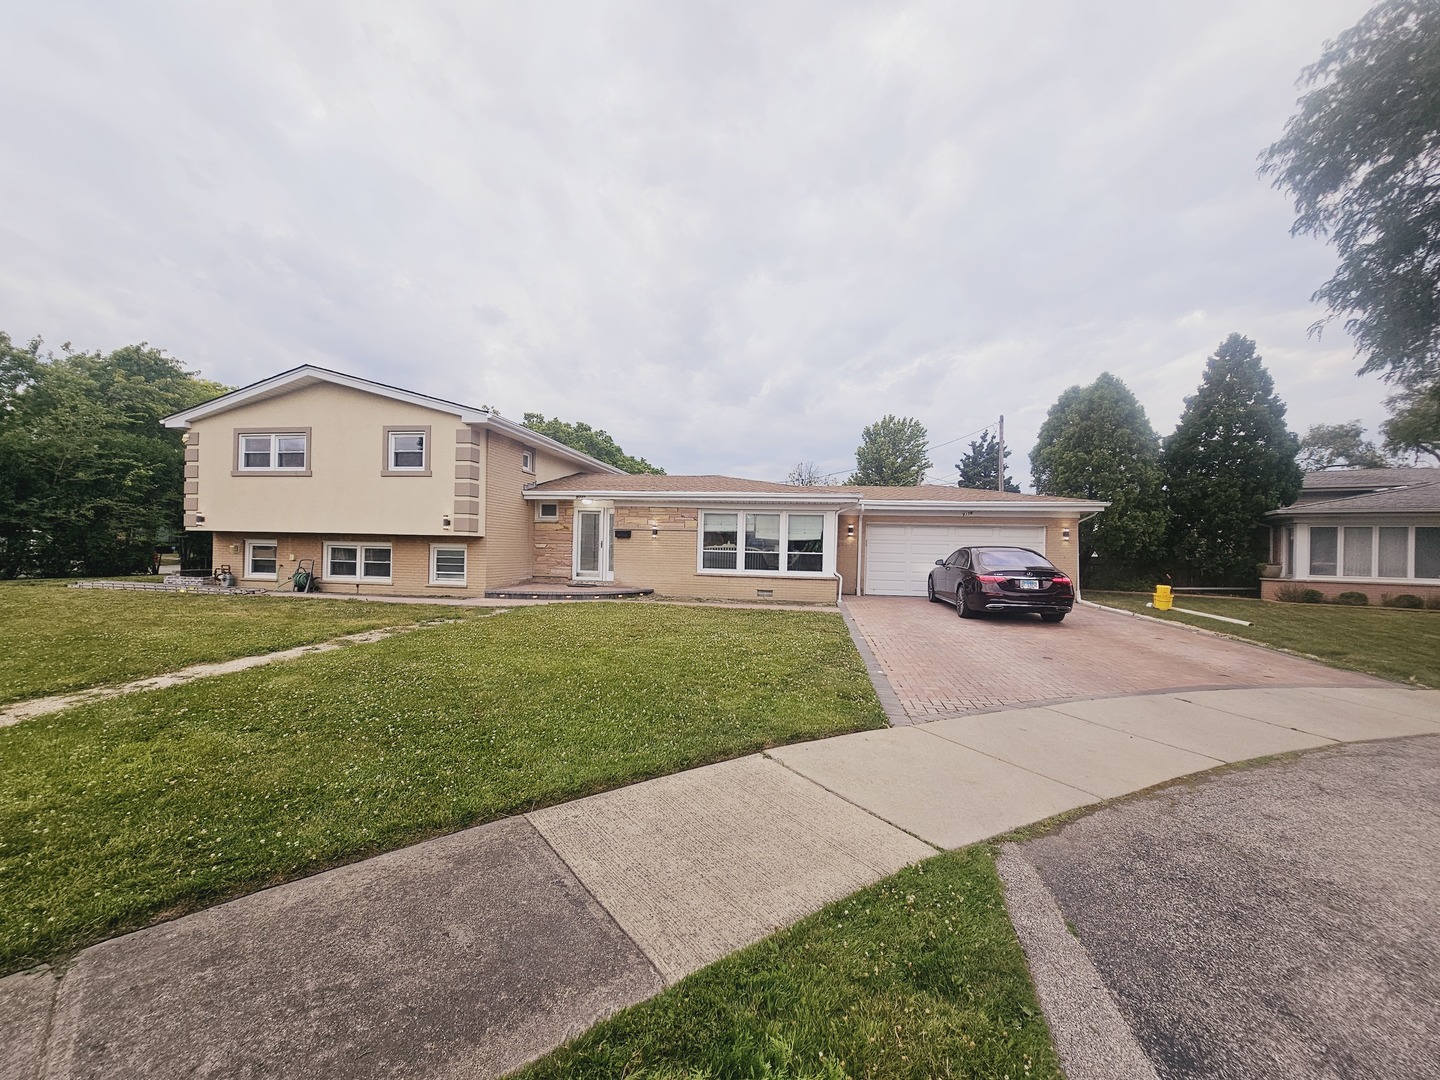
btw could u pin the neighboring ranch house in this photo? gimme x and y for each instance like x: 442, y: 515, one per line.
x: 1375, y: 531
x: 393, y: 492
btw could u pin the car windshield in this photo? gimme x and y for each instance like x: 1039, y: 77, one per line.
x: 995, y: 559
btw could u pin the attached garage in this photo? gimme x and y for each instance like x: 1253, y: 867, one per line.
x: 898, y: 558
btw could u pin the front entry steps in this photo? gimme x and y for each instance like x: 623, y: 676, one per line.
x: 575, y: 590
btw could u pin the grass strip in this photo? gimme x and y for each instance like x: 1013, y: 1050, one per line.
x: 121, y: 812
x: 1390, y: 642
x: 58, y: 639
x: 920, y: 975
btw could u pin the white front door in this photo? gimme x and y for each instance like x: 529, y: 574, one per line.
x: 594, y: 557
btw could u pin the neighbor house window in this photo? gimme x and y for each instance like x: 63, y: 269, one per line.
x: 357, y: 562
x: 1357, y: 551
x: 261, y: 559
x: 1427, y: 552
x: 527, y: 460
x: 447, y: 565
x: 407, y: 451
x: 771, y: 542
x: 1323, y: 551
x: 1394, y: 552
x: 273, y: 451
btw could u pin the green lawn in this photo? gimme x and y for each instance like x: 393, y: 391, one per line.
x: 917, y: 976
x: 120, y: 812
x: 58, y: 639
x: 1389, y: 642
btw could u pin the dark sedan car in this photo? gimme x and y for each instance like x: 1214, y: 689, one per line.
x: 980, y: 579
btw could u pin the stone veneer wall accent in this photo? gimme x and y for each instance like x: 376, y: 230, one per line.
x: 192, y: 479
x: 465, y: 517
x: 554, y: 544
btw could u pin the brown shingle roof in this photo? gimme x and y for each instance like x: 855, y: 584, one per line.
x: 711, y: 484
x: 1368, y: 479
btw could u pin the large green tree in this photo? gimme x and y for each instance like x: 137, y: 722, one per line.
x: 588, y: 440
x: 1414, y: 424
x: 1229, y: 462
x: 1328, y: 446
x: 980, y: 467
x: 1097, y: 443
x: 1362, y: 160
x: 89, y: 480
x: 891, y: 453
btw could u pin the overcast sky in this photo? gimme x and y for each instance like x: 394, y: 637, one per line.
x: 730, y: 234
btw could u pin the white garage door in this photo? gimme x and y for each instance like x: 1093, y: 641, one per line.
x: 898, y: 558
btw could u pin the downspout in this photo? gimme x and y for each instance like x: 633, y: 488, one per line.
x: 1078, y: 567
x: 860, y: 551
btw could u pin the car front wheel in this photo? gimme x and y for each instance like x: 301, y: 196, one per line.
x: 961, y: 607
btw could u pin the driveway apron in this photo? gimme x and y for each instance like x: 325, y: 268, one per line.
x: 940, y: 666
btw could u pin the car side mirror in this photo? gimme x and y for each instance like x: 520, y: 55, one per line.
x: 939, y: 562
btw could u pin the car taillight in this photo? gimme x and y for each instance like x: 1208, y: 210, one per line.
x: 1060, y: 579
x: 992, y: 578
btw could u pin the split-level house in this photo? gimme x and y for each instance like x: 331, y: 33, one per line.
x: 387, y: 491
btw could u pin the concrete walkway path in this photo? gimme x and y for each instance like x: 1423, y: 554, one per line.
x: 468, y: 955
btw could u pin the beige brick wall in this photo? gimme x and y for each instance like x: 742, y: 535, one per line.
x: 509, y: 519
x: 667, y: 562
x: 409, y: 563
x: 1063, y: 553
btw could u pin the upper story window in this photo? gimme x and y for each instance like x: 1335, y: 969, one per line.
x: 762, y: 542
x: 527, y: 460
x: 273, y: 451
x: 407, y: 451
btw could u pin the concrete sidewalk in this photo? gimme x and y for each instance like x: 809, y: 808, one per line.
x: 468, y: 955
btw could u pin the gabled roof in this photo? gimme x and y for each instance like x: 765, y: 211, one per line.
x: 287, y: 382
x: 713, y: 489
x: 1367, y: 479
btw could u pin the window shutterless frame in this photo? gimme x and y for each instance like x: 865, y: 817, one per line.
x: 407, y: 451
x: 448, y: 564
x: 262, y: 559
x: 357, y: 561
x: 766, y: 543
x: 527, y: 460
x: 273, y: 452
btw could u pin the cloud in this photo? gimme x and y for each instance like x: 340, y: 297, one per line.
x: 729, y: 235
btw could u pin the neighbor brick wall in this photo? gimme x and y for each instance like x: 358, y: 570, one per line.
x: 1376, y: 593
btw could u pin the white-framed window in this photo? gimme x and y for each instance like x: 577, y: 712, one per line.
x: 547, y: 511
x: 1381, y: 552
x: 274, y: 452
x: 262, y: 559
x: 527, y: 460
x: 406, y: 451
x: 447, y: 564
x: 762, y: 542
x: 358, y: 562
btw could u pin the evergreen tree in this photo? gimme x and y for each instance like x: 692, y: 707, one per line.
x: 1097, y: 443
x: 891, y: 453
x: 980, y: 468
x: 1229, y: 462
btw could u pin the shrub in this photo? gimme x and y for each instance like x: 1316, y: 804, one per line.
x: 1312, y: 596
x: 1433, y: 601
x: 1353, y: 599
x: 1404, y: 600
x: 1290, y: 593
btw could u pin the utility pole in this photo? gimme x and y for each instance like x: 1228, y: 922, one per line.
x: 1000, y: 473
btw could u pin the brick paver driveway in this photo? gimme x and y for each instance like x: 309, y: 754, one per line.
x: 939, y: 665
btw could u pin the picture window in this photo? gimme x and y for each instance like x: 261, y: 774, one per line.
x: 772, y: 542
